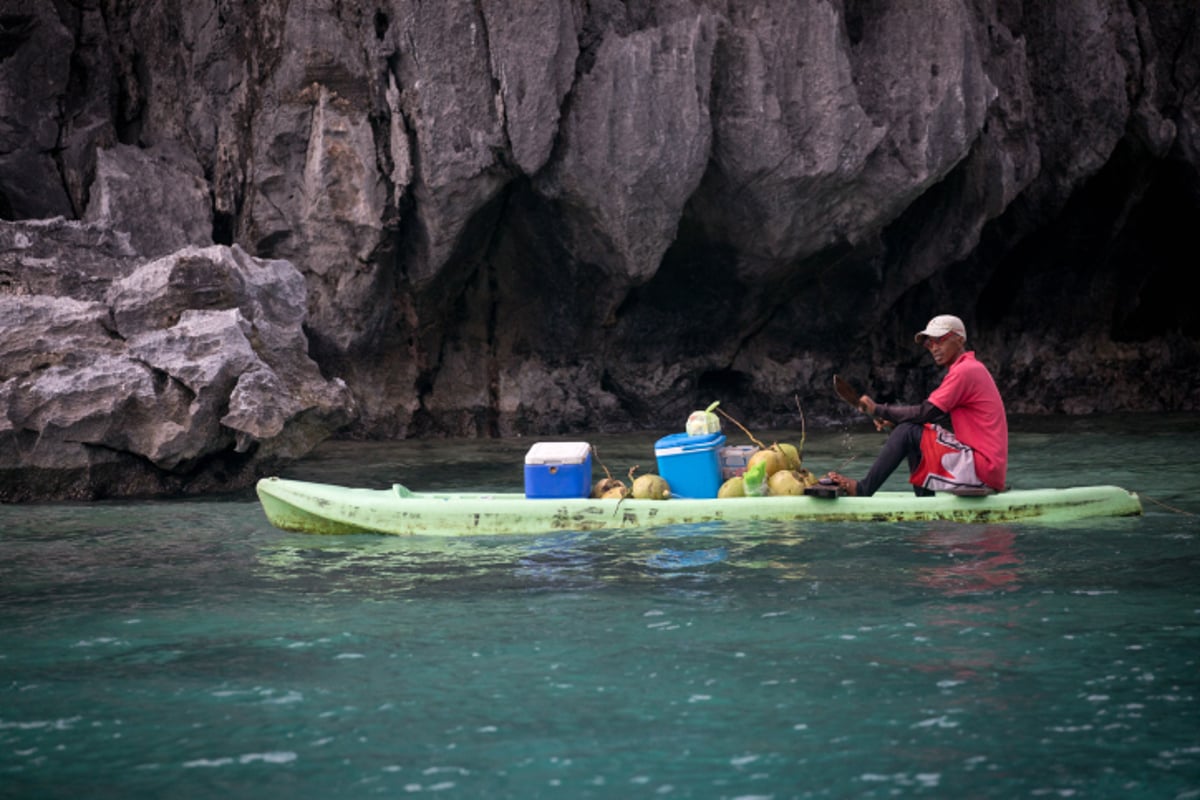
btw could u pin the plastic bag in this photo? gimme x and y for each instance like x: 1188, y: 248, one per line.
x: 754, y: 481
x: 701, y: 423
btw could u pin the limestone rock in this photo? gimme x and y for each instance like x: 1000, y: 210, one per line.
x: 630, y: 162
x: 63, y: 257
x: 514, y: 216
x: 191, y: 374
x: 531, y: 90
x: 158, y: 196
x: 34, y: 74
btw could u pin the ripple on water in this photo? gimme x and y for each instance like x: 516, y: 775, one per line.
x: 274, y: 757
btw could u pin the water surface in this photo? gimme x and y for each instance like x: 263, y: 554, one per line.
x: 187, y: 648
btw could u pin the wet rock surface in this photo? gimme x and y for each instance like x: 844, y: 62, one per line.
x: 541, y: 218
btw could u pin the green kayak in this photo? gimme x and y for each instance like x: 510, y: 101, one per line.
x: 324, y: 508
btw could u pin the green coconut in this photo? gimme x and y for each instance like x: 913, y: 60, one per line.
x: 772, y: 461
x: 606, y: 485
x: 734, y: 487
x: 618, y: 492
x: 651, y: 487
x: 791, y: 455
x: 786, y: 482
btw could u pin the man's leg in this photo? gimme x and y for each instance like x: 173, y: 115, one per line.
x: 903, y: 442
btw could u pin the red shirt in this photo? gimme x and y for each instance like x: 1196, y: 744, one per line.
x: 969, y: 395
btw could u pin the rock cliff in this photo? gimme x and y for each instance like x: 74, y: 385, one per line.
x: 229, y: 229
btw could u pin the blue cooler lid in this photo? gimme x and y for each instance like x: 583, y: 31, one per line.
x: 678, y: 443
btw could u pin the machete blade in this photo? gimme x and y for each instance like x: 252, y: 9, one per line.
x: 845, y: 391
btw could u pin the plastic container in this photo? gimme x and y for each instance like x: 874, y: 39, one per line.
x: 734, y: 460
x: 558, y: 469
x: 690, y: 464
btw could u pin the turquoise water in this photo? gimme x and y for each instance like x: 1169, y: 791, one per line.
x: 189, y: 649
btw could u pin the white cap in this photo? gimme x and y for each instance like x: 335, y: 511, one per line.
x: 940, y: 326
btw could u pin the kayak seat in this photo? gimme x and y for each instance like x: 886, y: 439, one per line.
x: 972, y: 491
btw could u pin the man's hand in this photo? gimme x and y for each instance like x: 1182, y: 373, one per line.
x: 868, y: 407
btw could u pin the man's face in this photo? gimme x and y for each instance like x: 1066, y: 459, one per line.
x: 944, y: 349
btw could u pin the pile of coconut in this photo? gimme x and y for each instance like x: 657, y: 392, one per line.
x: 774, y: 470
x: 645, y: 487
x: 777, y: 469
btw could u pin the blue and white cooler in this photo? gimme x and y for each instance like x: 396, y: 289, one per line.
x: 690, y: 464
x: 558, y: 469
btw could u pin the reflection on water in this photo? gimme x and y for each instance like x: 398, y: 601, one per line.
x: 976, y: 560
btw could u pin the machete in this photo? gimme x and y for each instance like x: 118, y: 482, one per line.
x: 846, y: 391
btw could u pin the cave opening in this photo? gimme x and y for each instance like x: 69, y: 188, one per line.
x: 1114, y: 259
x: 719, y: 383
x: 693, y: 298
x: 1154, y: 256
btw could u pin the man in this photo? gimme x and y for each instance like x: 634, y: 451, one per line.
x: 974, y: 456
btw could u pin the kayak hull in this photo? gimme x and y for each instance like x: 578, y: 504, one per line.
x: 328, y: 509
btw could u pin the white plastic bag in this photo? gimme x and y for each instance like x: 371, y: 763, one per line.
x: 702, y: 423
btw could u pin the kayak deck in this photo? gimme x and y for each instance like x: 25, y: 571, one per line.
x: 328, y: 509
